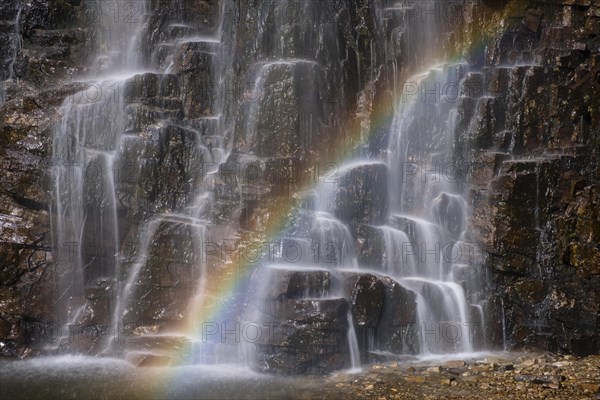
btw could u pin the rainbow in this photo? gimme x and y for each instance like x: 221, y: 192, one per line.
x: 228, y: 280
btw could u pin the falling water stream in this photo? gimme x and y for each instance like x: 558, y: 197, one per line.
x: 85, y: 154
x: 427, y: 203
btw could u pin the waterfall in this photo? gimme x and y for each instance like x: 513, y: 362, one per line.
x: 84, y: 152
x: 423, y: 234
x: 84, y: 162
x: 410, y: 202
x: 211, y: 133
x: 353, y: 345
x: 373, y: 248
x: 428, y: 207
x: 101, y: 156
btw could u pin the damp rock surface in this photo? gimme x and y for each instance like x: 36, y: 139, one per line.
x: 534, y: 178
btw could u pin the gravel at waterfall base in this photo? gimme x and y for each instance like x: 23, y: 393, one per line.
x: 525, y: 377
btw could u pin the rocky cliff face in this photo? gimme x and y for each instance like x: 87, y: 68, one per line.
x: 526, y: 145
x: 43, y: 44
x: 529, y: 147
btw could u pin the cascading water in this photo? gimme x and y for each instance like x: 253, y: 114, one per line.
x: 426, y: 220
x: 421, y: 215
x: 85, y: 155
x: 211, y: 133
x: 295, y: 38
x: 428, y: 213
x: 101, y: 153
x: 121, y: 152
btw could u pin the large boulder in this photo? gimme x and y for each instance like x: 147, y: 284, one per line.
x: 308, y: 336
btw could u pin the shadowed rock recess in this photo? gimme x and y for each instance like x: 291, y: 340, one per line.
x: 149, y: 149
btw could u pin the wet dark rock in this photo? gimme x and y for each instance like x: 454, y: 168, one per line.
x: 150, y: 98
x: 171, y: 21
x: 173, y: 162
x: 449, y: 212
x: 98, y: 305
x: 381, y: 310
x: 366, y: 296
x: 384, y: 311
x: 371, y: 247
x: 536, y: 242
x: 308, y: 336
x: 292, y: 284
x: 149, y: 85
x: 284, y: 117
x: 168, y: 278
x: 396, y: 331
x: 193, y: 63
x: 320, y: 314
x: 361, y: 195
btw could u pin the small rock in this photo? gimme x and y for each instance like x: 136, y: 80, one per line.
x: 456, y: 371
x: 434, y: 369
x: 538, y: 378
x: 415, y: 379
x: 497, y: 360
x: 540, y: 361
x: 505, y: 368
x: 526, y: 363
x: 455, y: 364
x: 561, y: 364
x: 146, y: 330
x: 590, y: 387
x: 551, y: 385
x: 471, y: 379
